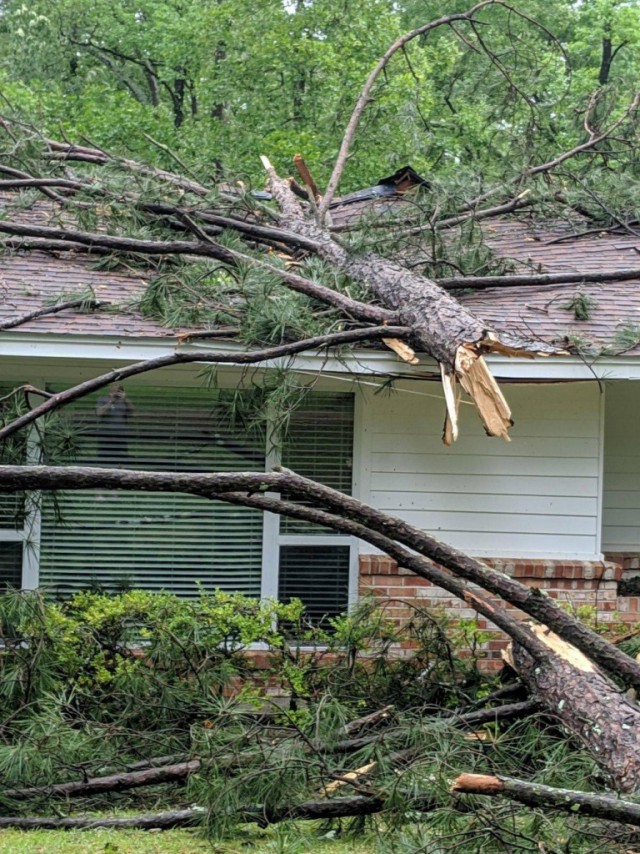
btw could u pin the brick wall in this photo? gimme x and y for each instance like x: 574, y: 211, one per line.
x: 580, y: 583
x: 629, y: 561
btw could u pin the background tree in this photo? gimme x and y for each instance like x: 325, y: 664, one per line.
x: 217, y: 80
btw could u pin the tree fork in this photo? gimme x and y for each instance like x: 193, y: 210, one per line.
x: 440, y: 325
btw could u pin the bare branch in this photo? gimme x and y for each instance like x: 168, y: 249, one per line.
x: 89, y: 305
x: 365, y: 97
x: 120, y: 782
x: 537, y: 279
x: 349, y: 515
x: 548, y: 797
x: 210, y: 249
x: 153, y: 821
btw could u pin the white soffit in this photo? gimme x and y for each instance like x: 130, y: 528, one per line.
x: 362, y: 362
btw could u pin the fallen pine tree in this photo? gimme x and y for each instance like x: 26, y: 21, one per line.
x: 574, y: 674
x: 578, y: 668
x: 158, y: 772
x: 532, y: 794
x: 264, y: 765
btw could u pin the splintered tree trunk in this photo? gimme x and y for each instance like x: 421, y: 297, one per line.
x: 588, y: 704
x: 441, y: 326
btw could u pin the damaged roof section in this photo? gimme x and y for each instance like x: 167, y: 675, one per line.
x: 591, y: 317
x: 594, y: 317
x: 391, y: 197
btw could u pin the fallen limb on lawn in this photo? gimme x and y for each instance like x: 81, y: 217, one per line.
x: 547, y: 797
x: 354, y: 805
x: 154, y: 821
x: 112, y: 783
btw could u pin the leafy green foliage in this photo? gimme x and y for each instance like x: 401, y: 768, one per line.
x: 97, y: 680
x: 96, y: 683
x: 219, y: 82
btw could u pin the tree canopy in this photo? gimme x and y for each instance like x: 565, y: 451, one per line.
x: 219, y: 80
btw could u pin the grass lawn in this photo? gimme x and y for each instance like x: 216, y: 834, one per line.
x: 281, y: 841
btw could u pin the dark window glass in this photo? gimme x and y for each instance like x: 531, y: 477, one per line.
x: 318, y: 576
x: 10, y: 565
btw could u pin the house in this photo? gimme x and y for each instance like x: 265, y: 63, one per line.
x: 558, y: 507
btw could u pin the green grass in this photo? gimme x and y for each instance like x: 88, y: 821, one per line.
x: 101, y: 842
x: 276, y: 841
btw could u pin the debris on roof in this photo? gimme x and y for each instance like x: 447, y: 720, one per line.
x: 610, y: 321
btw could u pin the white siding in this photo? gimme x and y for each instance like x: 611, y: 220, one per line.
x: 534, y: 497
x: 621, y: 503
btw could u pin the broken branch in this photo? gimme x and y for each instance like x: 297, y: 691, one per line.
x: 548, y: 797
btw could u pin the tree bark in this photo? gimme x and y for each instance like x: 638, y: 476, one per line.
x: 440, y: 325
x: 589, y: 705
x: 112, y: 783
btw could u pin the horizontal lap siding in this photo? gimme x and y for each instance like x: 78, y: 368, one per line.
x: 537, y: 496
x: 621, y: 501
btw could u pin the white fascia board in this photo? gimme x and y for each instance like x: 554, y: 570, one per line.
x: 363, y: 362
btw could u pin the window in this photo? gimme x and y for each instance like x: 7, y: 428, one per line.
x: 153, y: 540
x: 315, y: 563
x: 318, y: 575
x: 115, y: 539
x: 16, y: 512
x: 10, y: 564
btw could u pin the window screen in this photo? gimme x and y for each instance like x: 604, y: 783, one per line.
x: 10, y: 565
x: 118, y: 539
x: 318, y: 576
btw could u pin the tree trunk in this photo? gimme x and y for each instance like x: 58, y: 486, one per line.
x: 440, y: 325
x: 588, y: 704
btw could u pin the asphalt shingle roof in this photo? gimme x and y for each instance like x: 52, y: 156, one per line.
x: 541, y: 311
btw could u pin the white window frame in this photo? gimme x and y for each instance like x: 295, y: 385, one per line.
x: 273, y: 539
x: 29, y: 534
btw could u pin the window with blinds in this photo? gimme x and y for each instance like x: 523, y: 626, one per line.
x: 12, y: 452
x: 117, y: 539
x: 12, y: 505
x: 319, y: 445
x: 114, y: 540
x: 318, y: 576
